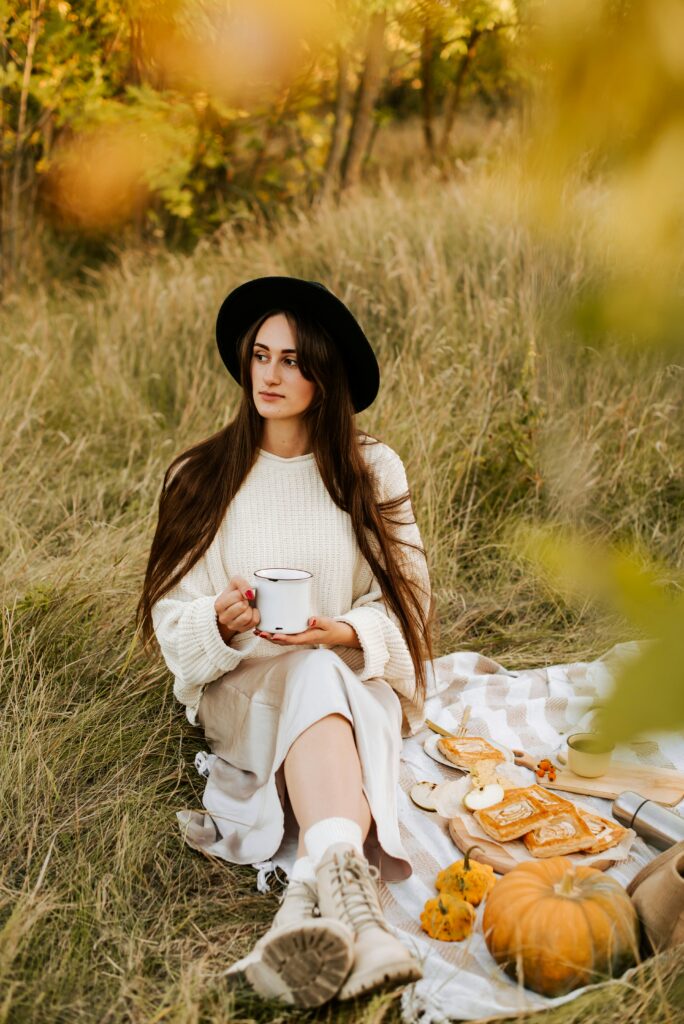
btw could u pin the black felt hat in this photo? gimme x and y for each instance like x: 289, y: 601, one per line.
x: 250, y: 300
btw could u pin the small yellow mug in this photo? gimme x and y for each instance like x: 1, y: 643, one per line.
x: 588, y: 755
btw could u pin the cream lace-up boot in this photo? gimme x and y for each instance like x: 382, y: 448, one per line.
x: 348, y: 893
x: 302, y: 959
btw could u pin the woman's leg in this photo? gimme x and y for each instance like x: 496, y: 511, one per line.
x: 304, y: 959
x: 324, y: 781
x: 323, y: 776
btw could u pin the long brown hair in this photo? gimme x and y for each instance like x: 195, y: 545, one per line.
x: 201, y: 482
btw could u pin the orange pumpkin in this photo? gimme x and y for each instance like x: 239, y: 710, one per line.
x: 555, y: 926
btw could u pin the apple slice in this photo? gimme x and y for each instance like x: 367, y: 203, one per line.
x: 484, y: 796
x: 422, y: 795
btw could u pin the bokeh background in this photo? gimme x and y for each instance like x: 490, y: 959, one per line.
x: 496, y: 190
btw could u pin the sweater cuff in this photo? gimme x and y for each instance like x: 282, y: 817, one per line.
x: 368, y: 628
x: 203, y: 635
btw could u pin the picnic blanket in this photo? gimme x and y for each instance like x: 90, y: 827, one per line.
x: 533, y: 709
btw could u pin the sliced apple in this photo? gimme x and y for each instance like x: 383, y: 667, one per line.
x: 422, y: 795
x: 483, y: 796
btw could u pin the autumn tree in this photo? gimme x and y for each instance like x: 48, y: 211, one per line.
x: 175, y: 115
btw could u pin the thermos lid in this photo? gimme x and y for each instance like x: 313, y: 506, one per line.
x: 626, y: 807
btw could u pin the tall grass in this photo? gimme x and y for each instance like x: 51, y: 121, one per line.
x: 497, y: 413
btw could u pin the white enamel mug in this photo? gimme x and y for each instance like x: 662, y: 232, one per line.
x: 283, y: 599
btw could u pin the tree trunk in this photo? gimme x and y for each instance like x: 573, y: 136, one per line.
x: 430, y: 48
x: 367, y: 93
x: 12, y: 228
x: 331, y: 174
x: 453, y: 97
x: 135, y: 73
x: 369, y: 149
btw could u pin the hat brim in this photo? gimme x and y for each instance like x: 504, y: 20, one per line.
x: 250, y: 300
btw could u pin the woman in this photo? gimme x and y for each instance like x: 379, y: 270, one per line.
x: 308, y: 724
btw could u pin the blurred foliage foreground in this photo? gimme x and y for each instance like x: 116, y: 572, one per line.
x: 610, y: 116
x: 502, y: 415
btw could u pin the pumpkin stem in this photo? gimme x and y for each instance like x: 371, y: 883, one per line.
x: 466, y: 859
x: 567, y: 883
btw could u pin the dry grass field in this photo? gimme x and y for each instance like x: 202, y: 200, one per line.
x: 499, y: 414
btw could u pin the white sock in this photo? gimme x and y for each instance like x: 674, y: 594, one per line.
x: 303, y: 870
x: 324, y: 833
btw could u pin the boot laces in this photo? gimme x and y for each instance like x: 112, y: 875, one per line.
x: 353, y: 885
x: 302, y: 890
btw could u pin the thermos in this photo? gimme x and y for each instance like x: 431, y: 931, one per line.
x: 657, y: 825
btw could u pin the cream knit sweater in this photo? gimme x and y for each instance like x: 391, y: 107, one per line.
x: 283, y: 515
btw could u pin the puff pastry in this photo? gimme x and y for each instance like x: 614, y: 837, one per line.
x: 606, y: 833
x: 466, y: 751
x: 547, y: 798
x: 561, y: 833
x: 518, y: 813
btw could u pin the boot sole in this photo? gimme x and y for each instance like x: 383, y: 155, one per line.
x: 303, y: 965
x: 389, y: 976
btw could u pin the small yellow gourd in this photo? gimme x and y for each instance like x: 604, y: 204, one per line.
x: 448, y: 918
x: 467, y: 878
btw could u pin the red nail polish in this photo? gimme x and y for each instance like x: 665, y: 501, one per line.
x: 249, y: 594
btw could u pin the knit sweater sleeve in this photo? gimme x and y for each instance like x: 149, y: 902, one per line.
x: 186, y: 626
x: 384, y: 651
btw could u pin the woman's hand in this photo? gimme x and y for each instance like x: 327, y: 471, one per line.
x: 233, y: 611
x: 321, y: 631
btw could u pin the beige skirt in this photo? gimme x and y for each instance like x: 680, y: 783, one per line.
x: 252, y: 715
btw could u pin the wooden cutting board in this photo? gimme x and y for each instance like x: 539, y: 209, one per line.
x: 661, y: 784
x: 491, y: 852
x: 665, y: 785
